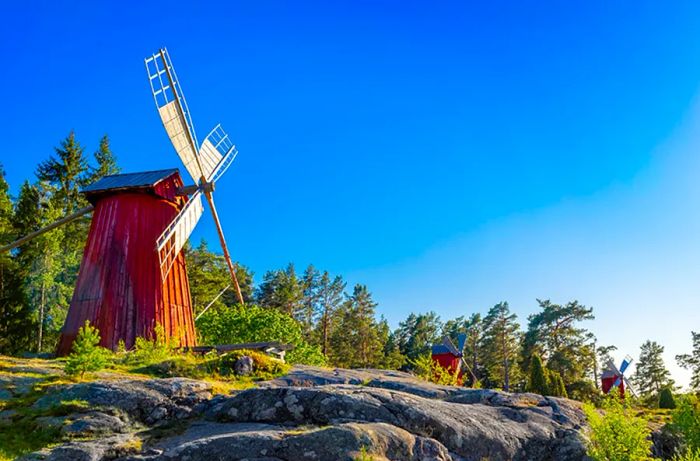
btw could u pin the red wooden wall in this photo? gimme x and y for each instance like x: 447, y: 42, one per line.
x: 119, y: 288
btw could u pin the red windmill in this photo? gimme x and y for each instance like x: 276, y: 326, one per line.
x: 133, y: 276
x: 451, y: 358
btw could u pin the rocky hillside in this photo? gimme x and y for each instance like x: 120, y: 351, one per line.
x: 308, y: 414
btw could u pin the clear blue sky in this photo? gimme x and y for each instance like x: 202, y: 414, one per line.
x: 449, y: 156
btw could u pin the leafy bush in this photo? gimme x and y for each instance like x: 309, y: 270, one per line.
x: 583, y: 390
x: 617, y: 435
x: 87, y: 355
x: 428, y: 369
x: 686, y: 420
x: 251, y: 323
x: 148, y: 351
x: 690, y: 455
x: 666, y: 399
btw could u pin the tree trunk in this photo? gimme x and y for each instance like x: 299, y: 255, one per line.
x: 42, y: 304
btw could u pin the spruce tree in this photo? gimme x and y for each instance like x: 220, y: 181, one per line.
x: 16, y: 324
x: 501, y: 346
x: 692, y: 362
x: 106, y: 161
x: 537, y: 382
x: 651, y: 374
x: 666, y: 399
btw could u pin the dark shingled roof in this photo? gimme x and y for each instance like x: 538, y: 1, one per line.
x: 129, y: 180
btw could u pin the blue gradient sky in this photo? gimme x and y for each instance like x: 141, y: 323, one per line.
x: 448, y: 156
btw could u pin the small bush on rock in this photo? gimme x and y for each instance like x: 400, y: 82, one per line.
x: 87, y: 355
x: 617, y: 435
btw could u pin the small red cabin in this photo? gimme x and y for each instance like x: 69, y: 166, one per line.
x: 119, y: 287
x: 607, y: 380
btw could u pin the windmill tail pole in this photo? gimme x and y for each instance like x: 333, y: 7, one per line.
x: 224, y: 248
x: 60, y: 222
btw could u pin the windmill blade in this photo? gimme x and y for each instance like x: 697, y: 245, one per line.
x: 173, y: 110
x: 216, y: 154
x: 461, y: 342
x: 224, y: 247
x: 625, y: 363
x: 178, y: 231
x: 447, y: 342
x: 614, y: 369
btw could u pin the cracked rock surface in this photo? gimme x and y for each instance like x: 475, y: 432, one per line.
x: 319, y: 414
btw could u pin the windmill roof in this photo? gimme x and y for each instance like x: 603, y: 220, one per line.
x: 440, y: 349
x: 129, y: 180
x: 609, y: 374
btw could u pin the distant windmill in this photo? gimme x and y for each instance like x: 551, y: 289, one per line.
x: 614, y: 377
x: 452, y: 358
x: 132, y: 274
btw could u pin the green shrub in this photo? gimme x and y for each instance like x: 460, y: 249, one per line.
x: 616, y: 434
x: 690, y: 455
x: 666, y: 399
x: 686, y: 420
x: 251, y: 323
x: 555, y: 384
x: 87, y: 355
x: 537, y: 381
x: 148, y: 351
x: 307, y: 354
x: 429, y: 370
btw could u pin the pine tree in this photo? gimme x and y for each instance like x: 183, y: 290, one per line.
x: 692, y: 362
x: 282, y: 290
x: 330, y: 298
x: 356, y: 342
x: 310, y: 298
x: 418, y: 333
x: 538, y: 379
x: 87, y: 355
x: 501, y: 346
x: 651, y: 374
x: 554, y: 335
